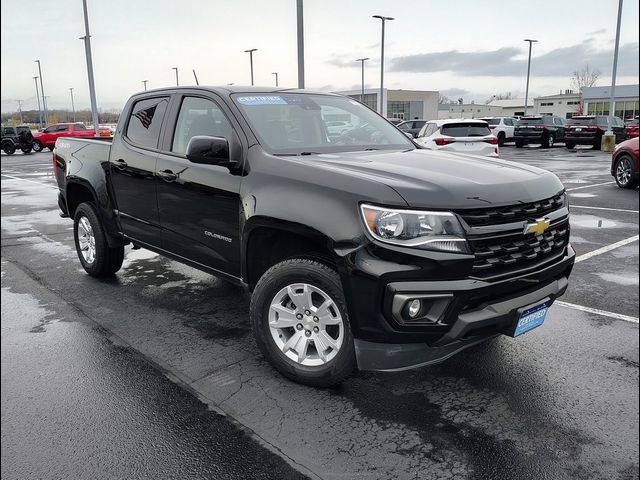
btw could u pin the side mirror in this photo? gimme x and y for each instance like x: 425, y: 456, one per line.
x: 208, y: 150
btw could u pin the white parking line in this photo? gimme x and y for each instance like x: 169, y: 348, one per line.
x: 30, y: 181
x: 589, y: 186
x: 605, y: 208
x: 607, y: 248
x: 604, y: 313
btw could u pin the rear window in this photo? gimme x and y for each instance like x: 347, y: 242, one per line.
x: 23, y: 129
x: 492, y: 121
x: 145, y: 121
x: 530, y: 121
x: 582, y: 121
x: 465, y: 130
x: 80, y: 126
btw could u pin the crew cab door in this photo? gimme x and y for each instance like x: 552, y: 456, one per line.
x: 199, y: 204
x: 132, y: 166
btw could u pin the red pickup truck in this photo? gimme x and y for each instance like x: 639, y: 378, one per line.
x: 47, y: 138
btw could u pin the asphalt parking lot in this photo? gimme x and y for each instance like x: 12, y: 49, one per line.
x: 154, y: 374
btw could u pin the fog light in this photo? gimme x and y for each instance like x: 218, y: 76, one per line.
x: 414, y: 308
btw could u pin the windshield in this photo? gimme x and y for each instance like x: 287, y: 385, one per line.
x: 465, y: 130
x: 297, y: 123
x: 492, y: 121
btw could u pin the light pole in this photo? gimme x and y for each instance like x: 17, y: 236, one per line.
x: 73, y: 106
x: 383, y: 19
x: 176, y: 69
x: 20, y: 110
x: 300, y: 35
x: 276, y: 74
x: 362, y: 60
x: 44, y: 100
x: 144, y: 82
x: 526, y: 94
x: 250, y: 52
x: 35, y: 79
x: 613, y: 74
x: 92, y: 85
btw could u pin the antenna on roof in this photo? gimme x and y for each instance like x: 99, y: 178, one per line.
x: 196, y: 77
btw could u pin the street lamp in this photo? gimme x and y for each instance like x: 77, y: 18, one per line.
x: 383, y: 19
x: 35, y: 79
x: 144, y: 82
x: 526, y: 94
x: 613, y: 74
x: 276, y: 74
x: 250, y: 52
x: 92, y: 84
x: 362, y: 60
x: 73, y: 106
x: 44, y: 101
x: 176, y: 69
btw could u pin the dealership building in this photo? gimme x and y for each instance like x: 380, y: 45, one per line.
x: 596, y: 100
x: 564, y: 104
x: 401, y: 104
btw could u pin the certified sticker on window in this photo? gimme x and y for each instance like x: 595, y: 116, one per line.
x: 262, y: 100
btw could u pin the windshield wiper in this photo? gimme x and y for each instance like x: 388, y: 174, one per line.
x: 296, y: 154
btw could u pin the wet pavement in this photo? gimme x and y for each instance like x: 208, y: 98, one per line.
x: 126, y: 375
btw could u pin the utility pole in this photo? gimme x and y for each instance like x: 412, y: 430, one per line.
x: 73, y: 106
x: 35, y: 79
x: 526, y: 94
x: 44, y: 100
x: 613, y: 74
x: 20, y: 110
x: 92, y: 86
x: 176, y: 69
x: 144, y: 82
x: 276, y: 74
x: 300, y: 32
x: 362, y: 60
x: 250, y: 52
x: 384, y: 19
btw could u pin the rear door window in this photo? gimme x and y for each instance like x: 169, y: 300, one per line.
x: 145, y: 121
x: 465, y: 130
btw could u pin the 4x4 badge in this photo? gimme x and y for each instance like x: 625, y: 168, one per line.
x: 538, y: 227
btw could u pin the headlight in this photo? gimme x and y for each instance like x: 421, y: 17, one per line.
x: 412, y: 228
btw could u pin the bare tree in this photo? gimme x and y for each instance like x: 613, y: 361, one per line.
x: 443, y: 99
x: 584, y: 77
x: 499, y: 96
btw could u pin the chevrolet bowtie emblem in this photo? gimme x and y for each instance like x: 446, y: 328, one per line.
x: 538, y: 227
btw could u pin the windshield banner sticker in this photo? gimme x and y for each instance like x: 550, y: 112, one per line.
x: 262, y: 100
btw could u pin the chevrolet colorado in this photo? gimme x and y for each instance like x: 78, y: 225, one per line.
x: 361, y: 250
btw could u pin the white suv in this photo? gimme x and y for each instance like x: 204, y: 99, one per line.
x: 502, y: 127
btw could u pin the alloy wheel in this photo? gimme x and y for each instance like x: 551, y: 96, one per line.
x: 86, y: 240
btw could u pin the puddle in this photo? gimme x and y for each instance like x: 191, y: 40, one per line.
x: 591, y: 221
x: 582, y: 195
x: 620, y: 278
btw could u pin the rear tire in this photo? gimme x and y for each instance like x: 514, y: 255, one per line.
x: 501, y: 139
x: 624, y: 174
x: 26, y: 150
x: 548, y: 141
x: 299, y: 335
x: 51, y: 148
x: 570, y: 145
x: 37, y: 146
x: 96, y: 257
x: 519, y: 144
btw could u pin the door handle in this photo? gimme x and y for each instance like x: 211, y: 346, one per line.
x: 120, y: 164
x: 167, y: 175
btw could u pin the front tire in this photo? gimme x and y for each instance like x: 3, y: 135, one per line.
x: 624, y: 175
x: 549, y: 141
x: 26, y: 150
x: 37, y: 146
x: 519, y: 144
x: 300, y: 322
x: 8, y: 148
x: 96, y: 257
x: 570, y: 145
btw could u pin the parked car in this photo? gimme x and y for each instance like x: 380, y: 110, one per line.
x: 16, y: 138
x: 47, y: 138
x: 625, y: 164
x: 338, y: 127
x: 631, y: 129
x: 362, y: 252
x: 589, y: 129
x: 395, y: 121
x: 464, y: 136
x: 543, y: 129
x: 502, y: 127
x: 412, y: 126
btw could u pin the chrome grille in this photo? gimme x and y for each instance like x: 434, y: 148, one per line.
x: 499, y: 254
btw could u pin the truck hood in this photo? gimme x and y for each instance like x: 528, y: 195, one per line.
x: 434, y: 179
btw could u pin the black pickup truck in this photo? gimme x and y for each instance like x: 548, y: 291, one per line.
x: 360, y: 249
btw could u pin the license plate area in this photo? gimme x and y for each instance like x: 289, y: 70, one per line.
x: 529, y: 317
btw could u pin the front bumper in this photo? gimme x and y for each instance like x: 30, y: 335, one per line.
x: 466, y: 312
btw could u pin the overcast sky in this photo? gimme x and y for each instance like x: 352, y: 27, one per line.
x: 469, y: 49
